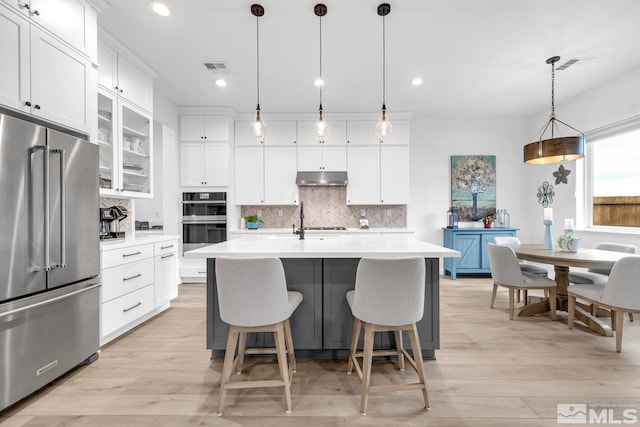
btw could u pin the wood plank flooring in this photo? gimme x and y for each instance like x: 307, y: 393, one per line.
x: 490, y: 371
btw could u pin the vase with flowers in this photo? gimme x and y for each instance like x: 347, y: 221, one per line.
x: 487, y: 220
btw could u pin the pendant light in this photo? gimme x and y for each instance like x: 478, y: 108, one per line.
x: 384, y: 127
x: 556, y: 148
x: 320, y: 127
x: 258, y: 128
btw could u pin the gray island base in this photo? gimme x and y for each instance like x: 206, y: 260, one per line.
x: 323, y: 271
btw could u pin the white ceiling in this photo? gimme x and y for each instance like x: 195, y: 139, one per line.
x: 477, y: 57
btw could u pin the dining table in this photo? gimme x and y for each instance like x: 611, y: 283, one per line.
x: 562, y: 260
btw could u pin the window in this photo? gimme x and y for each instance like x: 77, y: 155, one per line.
x: 614, y: 174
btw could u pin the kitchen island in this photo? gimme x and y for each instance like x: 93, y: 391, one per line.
x: 323, y: 269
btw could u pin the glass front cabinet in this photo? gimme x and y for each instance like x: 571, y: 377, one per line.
x: 124, y: 136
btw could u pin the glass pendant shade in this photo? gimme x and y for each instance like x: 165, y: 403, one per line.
x: 258, y: 128
x: 384, y: 128
x: 320, y: 127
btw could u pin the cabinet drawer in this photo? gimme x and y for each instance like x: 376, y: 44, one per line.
x: 121, y: 311
x: 112, y: 258
x: 120, y: 280
x: 168, y: 247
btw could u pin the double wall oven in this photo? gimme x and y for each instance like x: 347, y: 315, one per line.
x: 204, y: 219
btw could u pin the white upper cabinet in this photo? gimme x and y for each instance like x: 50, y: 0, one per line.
x: 394, y: 175
x: 363, y: 170
x: 204, y: 164
x: 243, y: 135
x: 249, y: 175
x: 328, y: 158
x: 122, y: 76
x: 400, y: 134
x: 281, y: 133
x: 337, y: 133
x: 280, y: 176
x: 211, y: 128
x: 14, y: 66
x: 363, y: 132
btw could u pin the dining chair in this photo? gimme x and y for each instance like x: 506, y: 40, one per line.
x: 389, y: 296
x: 619, y: 294
x: 524, y: 266
x: 600, y: 276
x: 506, y: 272
x: 253, y: 297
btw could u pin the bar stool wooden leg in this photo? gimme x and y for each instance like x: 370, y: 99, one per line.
x: 289, y: 342
x: 242, y: 344
x: 366, y: 366
x: 232, y: 341
x: 417, y: 358
x: 353, y: 348
x: 282, y: 362
x: 399, y: 348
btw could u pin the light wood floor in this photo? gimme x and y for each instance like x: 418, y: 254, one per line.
x: 490, y: 371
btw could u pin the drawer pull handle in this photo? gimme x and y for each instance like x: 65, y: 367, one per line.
x: 132, y: 277
x: 167, y: 256
x: 135, y: 253
x: 202, y: 272
x: 165, y: 247
x: 132, y: 307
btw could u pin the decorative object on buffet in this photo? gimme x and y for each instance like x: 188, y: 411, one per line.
x: 503, y: 219
x: 548, y: 222
x: 569, y: 241
x: 545, y: 194
x: 452, y: 217
x: 258, y: 127
x: 556, y: 148
x: 320, y: 127
x: 473, y: 186
x: 487, y: 220
x: 384, y: 127
x: 561, y: 175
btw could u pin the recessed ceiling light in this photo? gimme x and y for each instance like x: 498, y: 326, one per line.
x: 221, y: 82
x: 318, y: 82
x: 416, y: 81
x: 160, y: 8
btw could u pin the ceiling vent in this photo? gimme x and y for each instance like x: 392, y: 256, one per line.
x: 216, y: 67
x: 571, y: 62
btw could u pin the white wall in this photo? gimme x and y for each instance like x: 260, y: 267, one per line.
x: 435, y: 140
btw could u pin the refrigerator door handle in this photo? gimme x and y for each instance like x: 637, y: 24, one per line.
x: 63, y: 210
x: 46, y: 236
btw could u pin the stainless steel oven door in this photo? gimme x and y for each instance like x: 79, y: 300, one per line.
x: 197, y: 234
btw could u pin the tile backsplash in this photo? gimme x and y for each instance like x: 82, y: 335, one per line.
x: 126, y: 224
x: 327, y: 207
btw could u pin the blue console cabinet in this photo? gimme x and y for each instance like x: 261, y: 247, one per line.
x: 472, y: 244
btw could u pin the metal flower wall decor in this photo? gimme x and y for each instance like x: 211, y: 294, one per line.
x: 561, y: 175
x: 545, y: 194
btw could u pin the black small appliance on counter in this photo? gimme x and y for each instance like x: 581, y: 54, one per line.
x: 110, y: 222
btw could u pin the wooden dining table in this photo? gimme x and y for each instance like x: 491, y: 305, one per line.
x: 561, y: 261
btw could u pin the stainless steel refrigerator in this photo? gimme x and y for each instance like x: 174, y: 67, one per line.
x: 49, y: 255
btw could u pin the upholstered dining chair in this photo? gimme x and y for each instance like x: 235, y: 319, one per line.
x: 524, y: 266
x: 600, y: 276
x: 389, y: 296
x: 620, y: 294
x: 505, y: 271
x: 253, y: 297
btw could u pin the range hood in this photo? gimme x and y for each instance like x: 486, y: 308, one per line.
x: 321, y: 179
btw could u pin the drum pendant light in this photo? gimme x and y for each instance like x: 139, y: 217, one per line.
x: 384, y: 127
x: 258, y: 128
x: 320, y: 127
x: 554, y: 149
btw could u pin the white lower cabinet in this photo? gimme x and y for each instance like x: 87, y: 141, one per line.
x: 138, y: 281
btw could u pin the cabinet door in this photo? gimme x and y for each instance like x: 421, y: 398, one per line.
x: 363, y: 170
x: 216, y: 164
x: 14, y: 66
x: 68, y: 19
x: 394, y: 175
x: 243, y: 135
x: 59, y: 82
x: 191, y: 128
x: 108, y: 69
x: 134, y: 85
x: 400, y: 134
x: 165, y: 278
x: 309, y: 158
x: 334, y: 158
x: 216, y: 128
x: 250, y: 176
x: 470, y: 251
x: 280, y: 133
x: 136, y: 151
x: 192, y: 164
x: 361, y: 132
x: 108, y: 143
x: 280, y: 170
x: 337, y: 133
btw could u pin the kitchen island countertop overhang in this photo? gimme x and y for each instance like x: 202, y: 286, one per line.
x: 323, y: 270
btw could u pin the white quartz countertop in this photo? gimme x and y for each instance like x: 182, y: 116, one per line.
x: 347, y: 231
x: 137, y: 240
x: 287, y: 246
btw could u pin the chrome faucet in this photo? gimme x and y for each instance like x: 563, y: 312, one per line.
x: 300, y: 230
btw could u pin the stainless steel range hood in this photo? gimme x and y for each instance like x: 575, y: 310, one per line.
x: 321, y: 179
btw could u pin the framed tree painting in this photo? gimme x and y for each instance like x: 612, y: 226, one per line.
x: 473, y: 186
